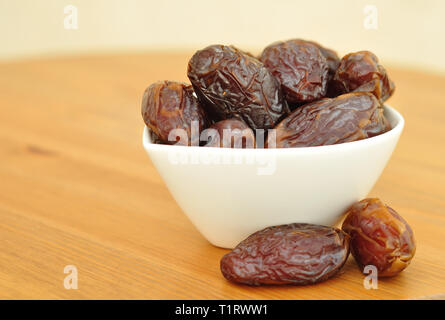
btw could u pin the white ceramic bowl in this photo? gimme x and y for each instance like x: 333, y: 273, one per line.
x: 230, y: 193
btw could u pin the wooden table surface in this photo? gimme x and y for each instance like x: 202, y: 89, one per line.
x: 76, y: 188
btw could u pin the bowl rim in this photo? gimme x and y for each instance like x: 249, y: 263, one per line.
x: 395, y: 130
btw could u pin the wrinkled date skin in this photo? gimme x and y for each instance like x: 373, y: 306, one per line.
x: 298, y: 254
x: 230, y: 133
x: 169, y: 105
x: 379, y: 237
x: 331, y: 56
x: 349, y: 117
x: 300, y: 67
x: 233, y: 84
x: 361, y: 72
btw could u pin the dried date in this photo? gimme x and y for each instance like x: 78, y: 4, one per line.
x: 300, y: 67
x: 349, y: 117
x: 296, y: 253
x: 154, y: 137
x: 169, y: 105
x: 361, y: 72
x: 331, y: 56
x: 232, y: 84
x: 379, y: 237
x: 230, y: 133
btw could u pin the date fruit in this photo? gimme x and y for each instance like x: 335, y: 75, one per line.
x: 297, y: 253
x: 230, y: 133
x: 379, y: 237
x: 300, y: 67
x: 169, y: 105
x: 348, y: 117
x: 331, y: 57
x: 232, y: 84
x: 361, y: 72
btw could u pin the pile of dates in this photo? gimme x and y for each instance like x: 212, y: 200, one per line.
x: 309, y: 97
x: 302, y: 254
x: 301, y: 89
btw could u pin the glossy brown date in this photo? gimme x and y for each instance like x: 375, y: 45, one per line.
x: 331, y: 57
x: 349, y: 117
x: 230, y: 133
x: 300, y: 67
x: 232, y: 84
x: 169, y: 105
x: 379, y: 237
x: 361, y: 72
x: 297, y: 253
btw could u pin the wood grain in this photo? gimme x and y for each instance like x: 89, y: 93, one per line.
x: 76, y: 188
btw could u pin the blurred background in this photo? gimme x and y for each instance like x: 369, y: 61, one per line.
x: 402, y: 33
x: 76, y: 187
